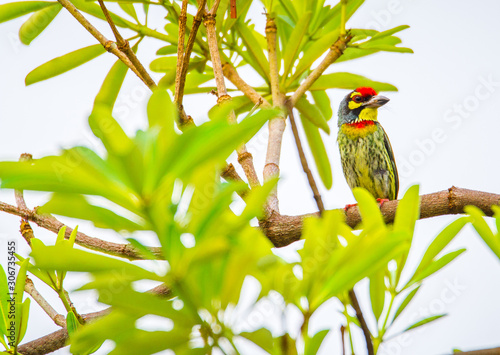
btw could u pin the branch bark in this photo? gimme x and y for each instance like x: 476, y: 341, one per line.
x: 57, y: 340
x: 277, y: 124
x: 110, y: 46
x: 283, y: 230
x: 244, y: 157
x: 58, y: 319
x: 336, y: 50
x: 53, y: 225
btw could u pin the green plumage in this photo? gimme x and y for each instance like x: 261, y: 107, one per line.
x: 368, y: 162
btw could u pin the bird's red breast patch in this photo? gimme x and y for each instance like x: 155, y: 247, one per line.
x: 366, y: 91
x: 358, y: 129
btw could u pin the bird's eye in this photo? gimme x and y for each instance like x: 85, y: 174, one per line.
x: 357, y: 98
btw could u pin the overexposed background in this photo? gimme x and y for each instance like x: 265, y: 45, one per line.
x: 443, y: 124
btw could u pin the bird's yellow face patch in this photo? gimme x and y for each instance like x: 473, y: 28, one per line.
x: 353, y: 104
x: 368, y: 114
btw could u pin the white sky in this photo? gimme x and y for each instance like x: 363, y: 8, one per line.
x: 443, y: 124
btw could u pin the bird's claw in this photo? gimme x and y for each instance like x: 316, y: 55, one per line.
x: 381, y: 201
x: 349, y: 206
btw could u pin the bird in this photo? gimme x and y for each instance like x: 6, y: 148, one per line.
x: 365, y: 150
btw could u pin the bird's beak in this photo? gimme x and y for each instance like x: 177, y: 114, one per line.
x: 376, y: 101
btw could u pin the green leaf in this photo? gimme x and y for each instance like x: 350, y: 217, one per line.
x: 162, y: 113
x: 377, y: 293
x: 390, y: 32
x: 107, y: 129
x: 406, y: 301
x: 313, y: 344
x: 318, y: 151
x: 72, y: 323
x: 438, y: 244
x: 293, y: 46
x: 63, y: 257
x: 437, y: 265
x: 313, y: 52
x: 106, y: 97
x: 4, y: 289
x: 261, y: 337
x: 369, y: 209
x: 313, y: 114
x: 143, y: 342
x: 254, y: 49
x: 95, y: 10
x: 482, y: 228
x: 64, y: 63
x: 25, y: 311
x: 322, y: 101
x: 424, y: 321
x: 37, y: 23
x: 349, y: 81
x: 408, y: 211
x: 82, y: 209
x: 17, y: 9
x: 129, y: 9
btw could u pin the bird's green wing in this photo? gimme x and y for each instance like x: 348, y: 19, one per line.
x: 388, y: 147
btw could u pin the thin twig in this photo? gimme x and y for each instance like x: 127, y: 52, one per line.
x: 244, y: 157
x: 180, y: 80
x: 303, y: 161
x: 52, y: 224
x: 277, y: 124
x: 180, y: 48
x: 58, y: 319
x: 232, y: 75
x: 336, y: 50
x: 107, y: 44
x: 57, y: 340
x: 124, y: 46
x: 362, y: 322
x: 342, y: 337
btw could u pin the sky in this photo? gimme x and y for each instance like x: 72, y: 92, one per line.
x: 443, y: 124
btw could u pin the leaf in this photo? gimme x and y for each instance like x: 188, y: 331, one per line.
x: 482, y: 228
x: 72, y: 323
x: 254, y: 49
x: 63, y: 257
x: 406, y: 301
x: 390, y: 32
x: 37, y: 23
x: 437, y: 265
x: 4, y: 289
x: 312, y: 345
x: 25, y: 311
x: 261, y: 337
x: 106, y: 97
x: 408, y: 211
x: 17, y: 9
x: 80, y: 208
x: 368, y: 208
x: 322, y: 101
x: 377, y: 293
x: 129, y: 9
x: 162, y: 113
x: 424, y: 321
x: 349, y: 81
x: 64, y: 63
x: 313, y: 114
x: 293, y: 46
x: 438, y: 244
x: 144, y: 342
x: 318, y: 151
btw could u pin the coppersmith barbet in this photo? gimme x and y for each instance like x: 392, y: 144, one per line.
x: 365, y: 150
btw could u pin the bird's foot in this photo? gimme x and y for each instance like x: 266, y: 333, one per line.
x: 381, y: 201
x: 349, y: 206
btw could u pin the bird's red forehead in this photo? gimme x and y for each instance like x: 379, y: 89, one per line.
x: 366, y: 91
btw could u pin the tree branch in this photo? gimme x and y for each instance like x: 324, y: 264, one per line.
x: 491, y: 351
x: 362, y: 322
x: 303, y: 161
x: 52, y: 224
x: 244, y: 157
x: 56, y: 340
x: 283, y: 230
x: 277, y: 124
x: 336, y: 50
x: 183, y: 63
x: 58, y: 319
x: 124, y: 46
x: 107, y: 44
x: 232, y: 75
